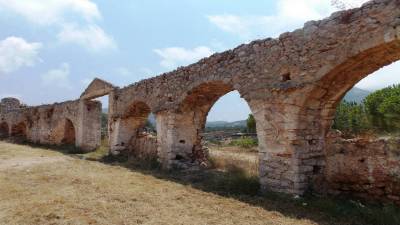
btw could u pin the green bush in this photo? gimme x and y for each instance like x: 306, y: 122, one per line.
x: 379, y: 113
x: 251, y: 124
x: 245, y: 142
x: 351, y: 118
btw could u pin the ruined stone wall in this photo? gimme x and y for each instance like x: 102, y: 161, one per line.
x: 144, y: 147
x: 7, y: 104
x: 72, y: 122
x: 365, y: 168
x: 292, y: 85
x: 89, y: 124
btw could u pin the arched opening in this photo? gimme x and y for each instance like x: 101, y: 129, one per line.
x: 362, y: 163
x: 192, y: 120
x: 231, y: 137
x: 64, y: 133
x: 69, y: 133
x: 19, y: 132
x: 334, y: 85
x: 137, y: 133
x: 369, y: 108
x: 4, y: 130
x: 192, y: 134
x: 104, y: 129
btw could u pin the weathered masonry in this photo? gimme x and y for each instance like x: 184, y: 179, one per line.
x: 292, y: 85
x: 68, y: 123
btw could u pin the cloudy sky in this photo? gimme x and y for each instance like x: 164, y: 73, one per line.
x: 51, y: 49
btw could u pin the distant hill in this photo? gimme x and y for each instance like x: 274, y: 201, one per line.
x: 356, y: 95
x: 240, y: 123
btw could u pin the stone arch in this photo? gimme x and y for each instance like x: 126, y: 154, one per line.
x: 135, y: 117
x: 19, y: 132
x: 64, y: 133
x: 129, y: 132
x: 314, y: 105
x: 69, y: 133
x: 194, y: 110
x: 180, y: 129
x: 322, y: 100
x: 4, y: 130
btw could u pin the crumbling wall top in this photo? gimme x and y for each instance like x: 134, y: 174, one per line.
x: 8, y: 104
x: 97, y: 88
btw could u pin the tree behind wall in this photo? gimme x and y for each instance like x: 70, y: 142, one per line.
x: 351, y: 118
x: 383, y: 109
x: 251, y: 124
x: 379, y: 113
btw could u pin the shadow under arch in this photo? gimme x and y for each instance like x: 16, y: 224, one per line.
x: 4, y: 130
x: 19, y: 132
x: 134, y: 119
x: 132, y: 135
x: 64, y: 133
x: 69, y: 137
x: 190, y: 121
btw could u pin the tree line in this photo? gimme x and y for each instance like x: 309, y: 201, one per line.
x: 379, y: 113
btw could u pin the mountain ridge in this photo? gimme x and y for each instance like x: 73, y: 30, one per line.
x: 356, y: 95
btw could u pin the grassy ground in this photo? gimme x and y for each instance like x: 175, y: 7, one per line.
x: 229, y: 158
x: 42, y: 186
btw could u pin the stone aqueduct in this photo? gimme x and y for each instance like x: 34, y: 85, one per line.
x: 292, y: 85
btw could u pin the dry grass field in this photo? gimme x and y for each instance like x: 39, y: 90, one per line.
x: 230, y: 157
x: 42, y: 186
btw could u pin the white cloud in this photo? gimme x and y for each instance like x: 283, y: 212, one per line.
x: 290, y: 14
x: 303, y: 9
x: 230, y: 23
x: 347, y: 4
x: 16, y: 52
x: 91, y: 37
x: 46, y: 12
x: 58, y: 77
x: 75, y: 20
x: 177, y: 56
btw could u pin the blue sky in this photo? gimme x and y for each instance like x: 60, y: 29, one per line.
x: 51, y: 49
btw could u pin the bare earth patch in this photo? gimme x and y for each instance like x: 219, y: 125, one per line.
x: 56, y: 189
